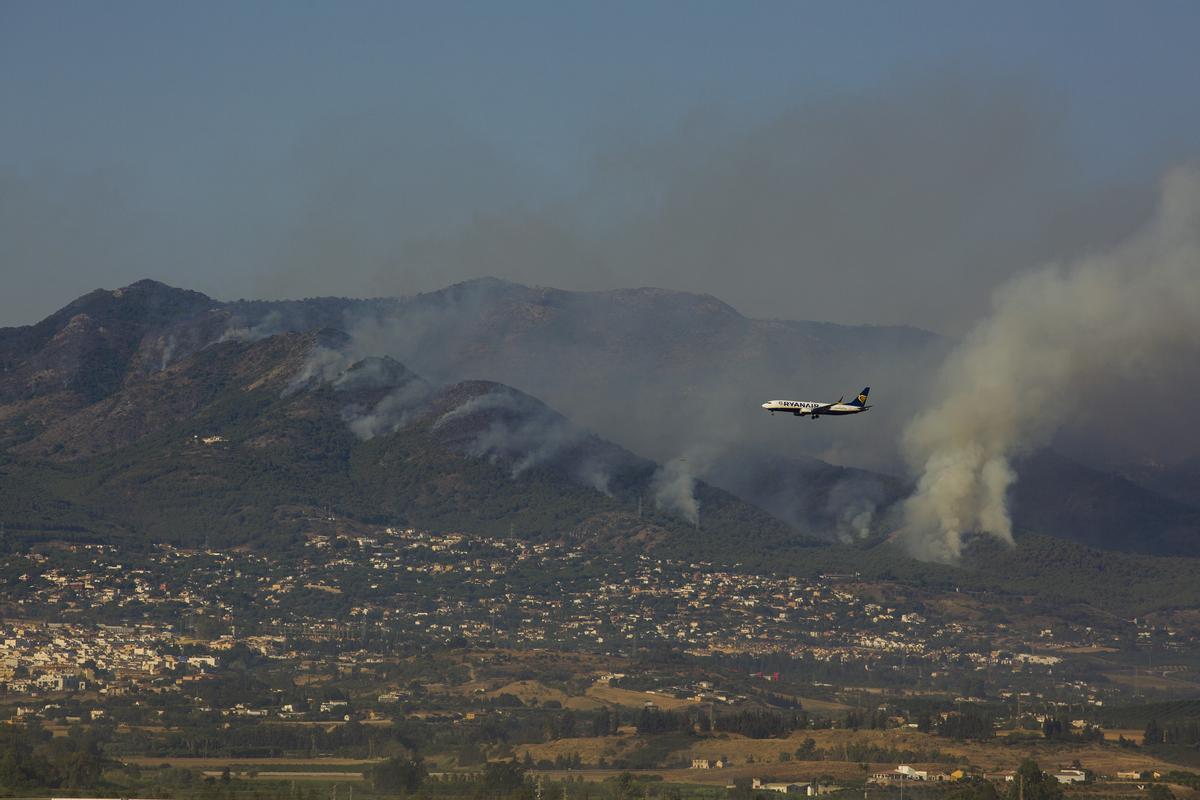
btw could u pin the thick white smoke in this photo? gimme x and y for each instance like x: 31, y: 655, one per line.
x: 1130, y: 313
x: 674, y: 483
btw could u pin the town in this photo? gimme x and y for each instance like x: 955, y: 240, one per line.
x: 571, y: 662
x: 79, y: 614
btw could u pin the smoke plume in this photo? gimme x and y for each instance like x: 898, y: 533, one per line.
x: 1131, y: 313
x: 405, y: 395
x: 168, y: 350
x: 674, y: 488
x: 507, y: 426
x: 674, y: 483
x: 324, y: 364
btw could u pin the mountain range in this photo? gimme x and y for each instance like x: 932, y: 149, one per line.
x: 623, y: 418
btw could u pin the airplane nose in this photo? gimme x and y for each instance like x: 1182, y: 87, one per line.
x: 764, y: 405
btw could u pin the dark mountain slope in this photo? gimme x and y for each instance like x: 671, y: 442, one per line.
x: 835, y: 503
x: 245, y: 442
x: 87, y: 347
x: 666, y: 373
x: 174, y: 395
x: 1179, y: 481
x: 651, y: 367
x: 1056, y: 496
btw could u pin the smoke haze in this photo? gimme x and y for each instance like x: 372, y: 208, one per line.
x: 850, y: 208
x: 853, y: 164
x: 1130, y: 313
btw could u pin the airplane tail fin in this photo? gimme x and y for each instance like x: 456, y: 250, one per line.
x: 861, y: 400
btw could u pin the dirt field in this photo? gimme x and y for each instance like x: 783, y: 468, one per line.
x: 612, y: 696
x: 823, y: 706
x: 1151, y: 681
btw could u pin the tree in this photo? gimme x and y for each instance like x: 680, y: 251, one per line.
x: 742, y: 789
x: 1159, y: 791
x: 628, y: 787
x: 398, y: 775
x: 974, y: 789
x: 504, y: 777
x: 1030, y: 783
x: 806, y: 751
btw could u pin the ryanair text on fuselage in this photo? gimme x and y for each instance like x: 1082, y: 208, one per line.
x: 814, y: 410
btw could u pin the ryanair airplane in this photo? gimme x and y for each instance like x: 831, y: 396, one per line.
x: 814, y: 410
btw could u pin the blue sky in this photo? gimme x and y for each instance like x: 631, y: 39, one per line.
x: 203, y: 143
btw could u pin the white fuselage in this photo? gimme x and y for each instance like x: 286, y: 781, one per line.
x: 802, y: 407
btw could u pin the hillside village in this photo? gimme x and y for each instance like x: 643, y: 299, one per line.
x: 93, y: 613
x: 375, y: 629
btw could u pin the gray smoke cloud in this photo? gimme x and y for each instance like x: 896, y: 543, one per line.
x: 168, y: 350
x: 841, y: 207
x: 323, y: 365
x: 618, y: 365
x: 857, y: 208
x: 524, y: 434
x: 405, y: 397
x: 854, y: 503
x: 844, y: 209
x: 674, y: 489
x: 1130, y: 313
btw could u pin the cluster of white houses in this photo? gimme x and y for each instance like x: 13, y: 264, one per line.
x: 806, y: 789
x: 904, y: 772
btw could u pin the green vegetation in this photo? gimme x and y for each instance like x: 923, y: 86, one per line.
x: 1030, y: 783
x: 398, y: 775
x: 31, y: 759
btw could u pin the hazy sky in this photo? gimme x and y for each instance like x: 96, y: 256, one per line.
x: 860, y: 162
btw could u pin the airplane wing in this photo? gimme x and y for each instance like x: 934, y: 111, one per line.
x: 824, y: 408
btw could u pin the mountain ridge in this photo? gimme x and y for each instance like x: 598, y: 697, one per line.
x: 229, y: 443
x: 116, y: 366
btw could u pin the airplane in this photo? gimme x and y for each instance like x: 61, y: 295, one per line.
x: 814, y: 410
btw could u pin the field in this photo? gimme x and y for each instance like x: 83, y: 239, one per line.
x: 294, y: 764
x: 762, y: 756
x: 1132, y: 734
x: 265, y: 769
x: 1147, y: 681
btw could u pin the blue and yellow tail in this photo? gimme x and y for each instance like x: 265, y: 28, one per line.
x: 861, y: 400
